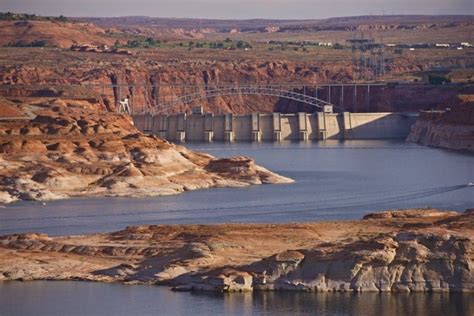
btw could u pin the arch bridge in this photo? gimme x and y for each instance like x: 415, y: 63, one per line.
x: 280, y: 91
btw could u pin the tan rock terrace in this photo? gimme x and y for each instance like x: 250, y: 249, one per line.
x: 419, y: 250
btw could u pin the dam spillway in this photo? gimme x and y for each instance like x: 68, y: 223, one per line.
x: 276, y: 126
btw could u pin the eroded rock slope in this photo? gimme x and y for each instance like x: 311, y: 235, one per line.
x: 399, y: 251
x: 66, y: 148
x: 452, y: 129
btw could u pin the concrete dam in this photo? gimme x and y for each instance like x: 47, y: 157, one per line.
x: 276, y: 126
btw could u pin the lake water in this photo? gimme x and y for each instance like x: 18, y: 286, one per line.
x: 334, y: 180
x: 82, y: 298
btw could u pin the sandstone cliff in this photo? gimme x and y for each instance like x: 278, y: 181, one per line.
x: 452, y: 129
x: 151, y: 77
x: 65, y: 148
x: 398, y: 251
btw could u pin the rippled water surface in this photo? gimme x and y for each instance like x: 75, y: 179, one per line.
x: 334, y: 180
x: 79, y: 298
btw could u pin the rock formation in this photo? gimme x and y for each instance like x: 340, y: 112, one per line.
x: 164, y: 77
x: 71, y: 148
x: 451, y: 129
x: 398, y: 251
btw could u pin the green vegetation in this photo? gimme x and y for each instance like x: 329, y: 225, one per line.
x: 35, y: 43
x: 216, y: 45
x: 226, y: 44
x: 438, y: 79
x: 301, y: 46
x: 10, y: 16
x: 148, y: 42
x: 243, y: 45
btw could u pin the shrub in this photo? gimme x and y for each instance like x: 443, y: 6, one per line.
x: 437, y: 79
x: 133, y: 43
x: 35, y: 43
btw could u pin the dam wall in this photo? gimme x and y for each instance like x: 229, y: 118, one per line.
x: 276, y: 126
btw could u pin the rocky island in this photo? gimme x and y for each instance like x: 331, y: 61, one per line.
x: 56, y: 149
x: 400, y: 251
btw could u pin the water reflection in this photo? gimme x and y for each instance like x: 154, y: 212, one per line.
x: 82, y: 298
x: 369, y: 304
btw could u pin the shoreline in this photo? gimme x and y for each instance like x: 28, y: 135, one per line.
x: 392, y: 251
x: 74, y: 148
x: 258, y: 290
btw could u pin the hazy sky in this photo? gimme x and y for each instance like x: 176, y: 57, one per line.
x: 284, y: 9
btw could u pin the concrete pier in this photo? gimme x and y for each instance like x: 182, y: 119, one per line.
x: 258, y: 127
x: 256, y: 133
x: 303, y: 126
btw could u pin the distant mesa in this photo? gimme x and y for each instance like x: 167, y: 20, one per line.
x: 51, y: 34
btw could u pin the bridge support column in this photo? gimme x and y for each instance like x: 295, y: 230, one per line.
x: 181, y: 128
x: 256, y: 134
x: 229, y: 136
x: 161, y: 124
x: 276, y: 127
x: 138, y: 121
x: 208, y: 128
x: 208, y: 136
x: 148, y: 123
x: 347, y: 125
x: 304, y: 136
x: 302, y: 126
x: 180, y: 136
x: 163, y: 134
x: 321, y: 116
x: 155, y: 124
x: 277, y: 136
x: 228, y: 128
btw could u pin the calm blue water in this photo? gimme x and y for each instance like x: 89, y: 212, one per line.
x: 80, y: 298
x: 334, y: 180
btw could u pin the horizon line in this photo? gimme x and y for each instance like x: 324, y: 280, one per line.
x: 248, y: 19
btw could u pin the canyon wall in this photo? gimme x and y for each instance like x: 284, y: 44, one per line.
x: 149, y: 82
x: 452, y: 129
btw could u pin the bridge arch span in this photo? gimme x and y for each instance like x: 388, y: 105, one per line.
x: 216, y: 91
